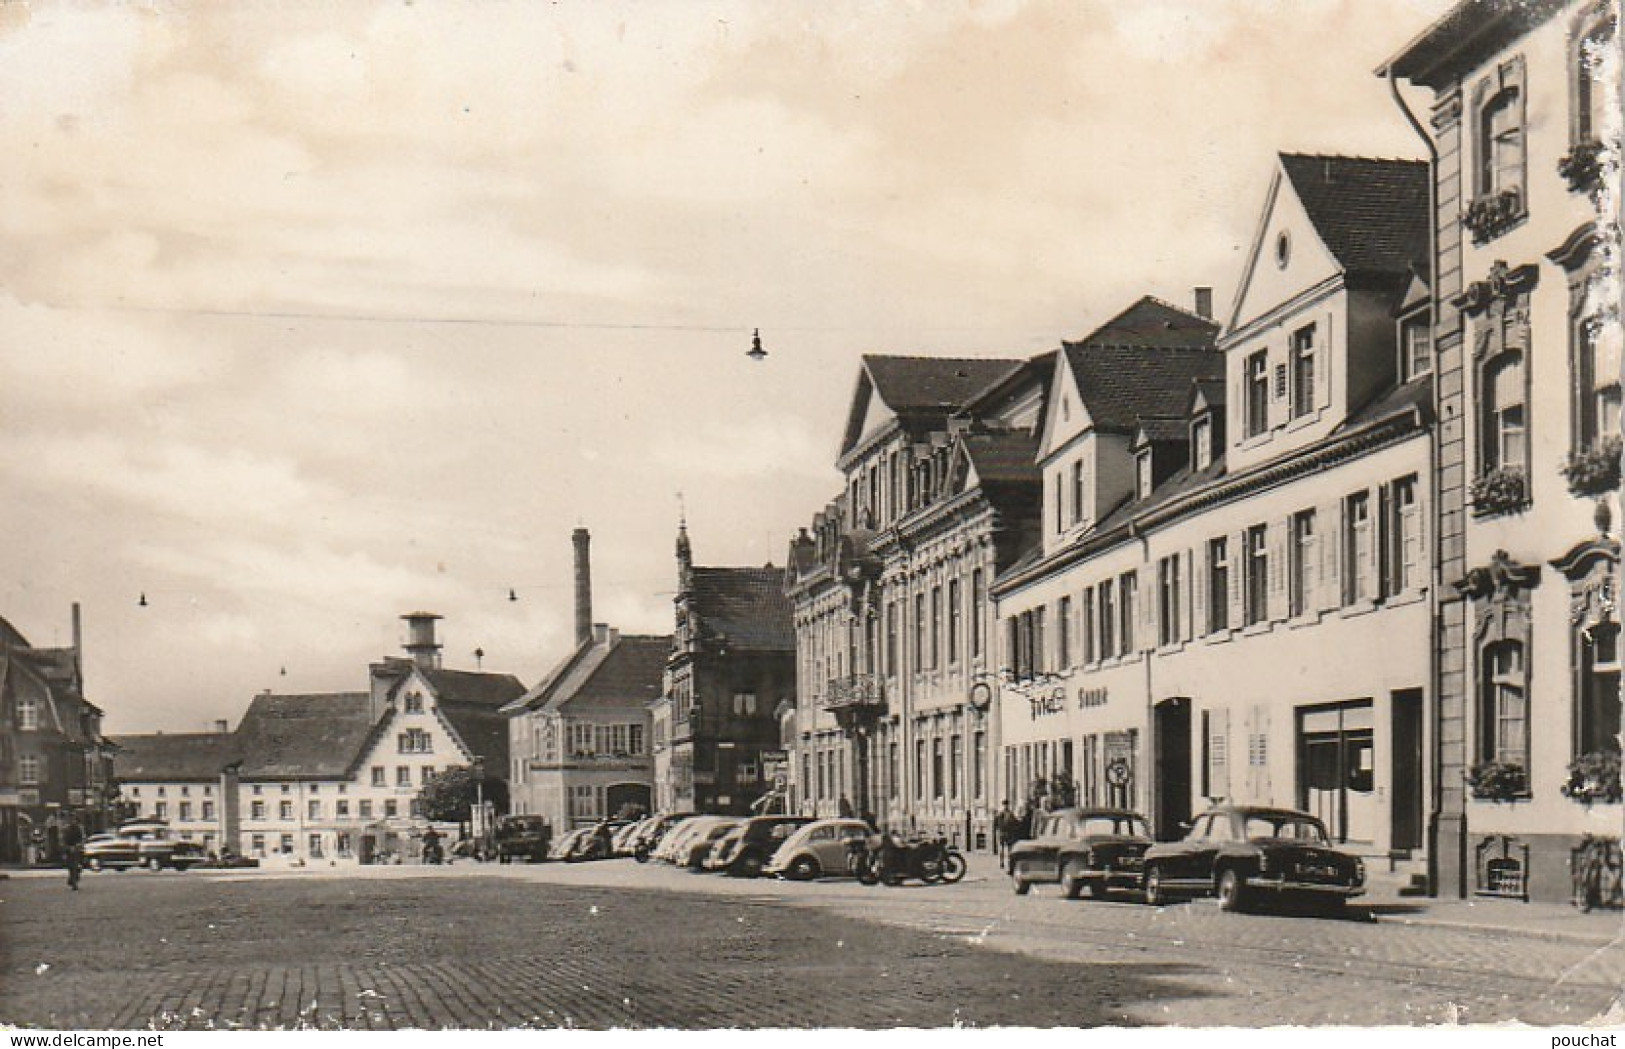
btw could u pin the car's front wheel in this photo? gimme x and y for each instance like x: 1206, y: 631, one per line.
x: 1155, y: 893
x: 154, y: 863
x: 805, y: 868
x: 1071, y: 882
x: 1231, y: 892
x: 1018, y: 875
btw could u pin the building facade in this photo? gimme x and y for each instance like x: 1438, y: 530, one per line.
x: 732, y: 664
x: 55, y: 764
x: 1523, y: 121
x: 890, y: 588
x: 182, y: 779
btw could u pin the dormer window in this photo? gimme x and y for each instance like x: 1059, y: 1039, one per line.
x: 1415, y: 347
x: 1142, y: 474
x: 1202, y: 443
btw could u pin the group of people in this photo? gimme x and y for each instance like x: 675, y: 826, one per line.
x: 1045, y: 796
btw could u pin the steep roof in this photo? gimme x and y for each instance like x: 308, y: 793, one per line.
x: 472, y: 702
x: 1120, y: 384
x: 747, y: 605
x: 1003, y: 456
x: 1156, y: 429
x: 173, y: 757
x: 615, y: 671
x: 1151, y: 323
x: 314, y: 736
x: 912, y: 383
x: 1372, y: 214
x: 1465, y: 35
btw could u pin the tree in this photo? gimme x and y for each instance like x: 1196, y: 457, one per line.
x: 449, y: 795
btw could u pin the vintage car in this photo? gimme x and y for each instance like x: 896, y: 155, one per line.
x: 694, y: 852
x: 676, y: 842
x: 1241, y: 854
x: 745, y: 850
x: 817, y: 850
x: 567, y: 844
x: 142, y: 843
x: 1082, y: 848
x: 522, y: 838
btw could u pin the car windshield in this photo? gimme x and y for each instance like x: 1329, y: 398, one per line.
x: 1126, y: 825
x: 1298, y: 828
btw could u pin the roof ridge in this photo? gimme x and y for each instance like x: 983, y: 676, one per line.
x: 1352, y: 156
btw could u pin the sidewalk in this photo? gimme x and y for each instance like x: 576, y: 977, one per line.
x: 1545, y: 920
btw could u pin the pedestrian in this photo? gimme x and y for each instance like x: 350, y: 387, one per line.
x: 845, y: 807
x: 1004, y: 832
x: 73, y: 851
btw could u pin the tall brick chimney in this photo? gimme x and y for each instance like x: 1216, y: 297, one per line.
x: 583, y: 587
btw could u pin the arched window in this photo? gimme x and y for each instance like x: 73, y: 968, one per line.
x: 1504, y: 720
x: 1597, y: 348
x: 1505, y: 426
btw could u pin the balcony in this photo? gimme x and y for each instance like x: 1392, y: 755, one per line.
x: 855, y: 692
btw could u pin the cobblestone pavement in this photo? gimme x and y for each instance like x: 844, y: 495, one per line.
x: 618, y: 944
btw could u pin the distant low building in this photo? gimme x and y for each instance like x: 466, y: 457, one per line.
x: 181, y: 778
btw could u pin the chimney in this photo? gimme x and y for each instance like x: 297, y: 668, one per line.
x: 78, y: 651
x: 420, y: 642
x: 221, y: 726
x: 1204, y: 303
x: 583, y: 587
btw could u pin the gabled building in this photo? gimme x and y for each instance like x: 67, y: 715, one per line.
x: 183, y: 778
x: 732, y: 663
x: 1525, y: 117
x: 55, y: 764
x: 579, y: 740
x: 1208, y: 638
x: 890, y: 589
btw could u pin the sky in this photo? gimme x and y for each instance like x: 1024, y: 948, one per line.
x: 313, y: 315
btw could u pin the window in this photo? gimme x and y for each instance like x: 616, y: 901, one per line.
x: 1504, y: 412
x: 1258, y: 394
x: 378, y: 775
x: 185, y: 812
x: 1591, y: 86
x: 403, y: 775
x: 1597, y: 719
x: 1416, y: 347
x: 415, y: 741
x: 1404, y: 537
x: 427, y: 773
x: 1088, y: 631
x: 1597, y: 352
x: 28, y: 715
x: 414, y: 702
x: 891, y: 638
x: 1257, y: 578
x: 315, y: 846
x: 1301, y: 562
x: 936, y: 627
x: 1108, y: 621
x: 1357, y: 576
x: 344, y: 846
x: 1500, y: 143
x: 1063, y: 633
x: 341, y: 809
x: 1218, y: 584
x: 937, y: 777
x: 256, y: 810
x: 953, y: 620
x: 365, y: 805
x: 1504, y: 728
x: 285, y: 810
x: 1060, y: 503
x: 1303, y: 371
x: 1128, y: 586
x: 978, y: 603
x: 978, y: 771
x: 919, y: 632
x: 160, y: 810
x: 744, y: 706
x: 392, y: 808
x: 1077, y: 491
x: 208, y: 810
x: 1142, y: 474
x: 256, y: 843
x: 286, y: 844
x: 1202, y: 443
x: 634, y: 739
x: 1168, y: 610
x: 919, y: 769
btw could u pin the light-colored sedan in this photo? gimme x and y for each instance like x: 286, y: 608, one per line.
x: 817, y: 850
x: 679, y: 837
x: 699, y: 846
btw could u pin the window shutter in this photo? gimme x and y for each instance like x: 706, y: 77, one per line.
x: 1323, y: 361
x: 1238, y: 577
x: 1311, y: 563
x: 1330, y: 543
x: 1275, y: 543
x: 1199, y: 588
x: 1384, y: 532
x: 1187, y: 597
x: 1280, y: 379
x: 1219, y: 753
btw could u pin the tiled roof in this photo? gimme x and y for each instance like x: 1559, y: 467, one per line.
x: 472, y: 702
x: 1371, y: 214
x: 912, y: 383
x: 1157, y: 429
x: 1212, y: 391
x: 624, y: 672
x: 1152, y: 324
x: 173, y: 757
x: 1120, y: 384
x: 1003, y: 457
x: 746, y: 605
x: 303, y: 736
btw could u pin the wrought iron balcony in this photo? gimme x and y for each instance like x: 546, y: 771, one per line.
x: 855, y: 692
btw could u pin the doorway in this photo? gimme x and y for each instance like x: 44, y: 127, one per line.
x: 1406, y: 788
x: 1337, y: 768
x: 1172, y: 765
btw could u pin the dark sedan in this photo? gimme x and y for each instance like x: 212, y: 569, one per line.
x: 1241, y: 854
x: 1093, y: 849
x: 745, y: 850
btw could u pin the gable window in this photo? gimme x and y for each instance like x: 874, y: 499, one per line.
x: 1218, y: 584
x: 414, y: 703
x: 1168, y: 587
x: 1077, y: 491
x: 1128, y: 586
x: 1504, y: 728
x: 1303, y: 371
x: 1257, y: 577
x: 415, y: 741
x: 1300, y: 562
x: 1142, y: 474
x: 1416, y: 347
x: 1202, y: 443
x: 1357, y: 578
x: 1258, y: 393
x: 27, y: 715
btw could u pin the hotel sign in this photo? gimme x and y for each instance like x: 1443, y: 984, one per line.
x: 1054, y: 701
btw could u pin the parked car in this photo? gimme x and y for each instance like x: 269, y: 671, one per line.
x: 816, y: 850
x: 142, y: 843
x: 694, y: 852
x: 567, y: 844
x: 523, y: 837
x: 653, y: 831
x: 1243, y: 853
x: 745, y: 850
x: 680, y: 836
x: 1083, y: 848
x: 626, y: 836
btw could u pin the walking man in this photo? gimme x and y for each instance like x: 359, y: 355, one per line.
x: 1004, y: 832
x: 73, y: 851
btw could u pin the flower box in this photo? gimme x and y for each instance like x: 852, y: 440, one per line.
x: 1500, y: 491
x: 1488, y: 216
x: 1594, y: 777
x: 1582, y: 165
x: 1594, y: 470
x: 1498, y: 781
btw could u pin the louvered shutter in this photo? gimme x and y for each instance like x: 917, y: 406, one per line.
x: 1218, y: 750
x: 1199, y: 592
x: 1310, y: 555
x: 1331, y: 558
x: 1238, y: 576
x: 1382, y: 528
x: 1276, y: 539
x: 1187, y: 597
